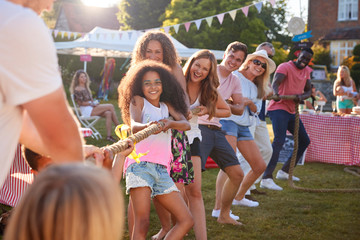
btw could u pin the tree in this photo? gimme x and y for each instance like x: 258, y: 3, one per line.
x: 250, y: 30
x: 141, y: 14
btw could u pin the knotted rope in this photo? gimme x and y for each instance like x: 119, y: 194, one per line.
x: 121, y: 145
x: 294, y: 154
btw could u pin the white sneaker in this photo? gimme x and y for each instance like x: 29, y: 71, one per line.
x: 216, y: 214
x: 285, y: 176
x: 245, y: 202
x: 269, y: 184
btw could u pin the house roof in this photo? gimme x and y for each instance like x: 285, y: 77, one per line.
x: 343, y: 34
x: 80, y: 18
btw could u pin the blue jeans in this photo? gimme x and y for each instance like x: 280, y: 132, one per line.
x: 282, y: 121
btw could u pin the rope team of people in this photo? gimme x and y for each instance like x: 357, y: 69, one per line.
x: 178, y: 118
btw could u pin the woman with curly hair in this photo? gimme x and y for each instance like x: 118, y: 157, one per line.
x: 147, y: 95
x: 157, y: 46
x: 80, y: 88
x: 344, y: 90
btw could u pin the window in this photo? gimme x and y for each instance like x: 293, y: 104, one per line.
x: 348, y: 10
x: 340, y: 50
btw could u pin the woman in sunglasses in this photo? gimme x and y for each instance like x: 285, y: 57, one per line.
x: 254, y: 75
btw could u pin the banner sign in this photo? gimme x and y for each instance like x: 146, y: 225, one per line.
x: 305, y: 35
x: 85, y: 58
x: 300, y: 45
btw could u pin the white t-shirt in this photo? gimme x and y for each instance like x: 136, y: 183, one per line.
x: 250, y: 91
x: 28, y: 70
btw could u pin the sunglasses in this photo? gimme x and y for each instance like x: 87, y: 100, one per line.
x: 257, y: 62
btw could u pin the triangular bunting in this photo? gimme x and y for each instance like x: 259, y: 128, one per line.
x: 233, y: 14
x: 187, y: 26
x: 176, y: 28
x: 56, y: 33
x: 97, y: 36
x: 69, y: 35
x: 166, y: 29
x: 62, y: 34
x: 120, y: 35
x: 220, y: 17
x: 130, y: 34
x: 259, y: 6
x: 112, y: 35
x: 245, y: 10
x: 198, y: 23
x: 273, y: 2
x: 209, y: 20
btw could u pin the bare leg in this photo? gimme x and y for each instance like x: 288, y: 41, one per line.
x: 108, y: 111
x: 251, y: 153
x: 164, y: 216
x: 196, y: 203
x: 235, y: 176
x: 175, y: 204
x: 130, y: 216
x: 220, y: 181
x: 141, y: 201
x: 165, y: 220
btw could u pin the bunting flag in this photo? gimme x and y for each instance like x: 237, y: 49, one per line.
x: 259, y: 6
x: 209, y: 20
x: 220, y: 17
x: 233, y: 14
x: 187, y: 26
x: 245, y: 10
x: 166, y: 29
x: 176, y: 27
x: 198, y: 23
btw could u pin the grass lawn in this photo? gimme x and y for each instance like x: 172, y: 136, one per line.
x: 288, y: 214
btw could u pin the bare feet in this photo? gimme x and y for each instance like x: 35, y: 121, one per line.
x: 160, y: 235
x: 228, y: 220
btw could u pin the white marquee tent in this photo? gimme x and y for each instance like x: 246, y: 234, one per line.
x: 112, y: 43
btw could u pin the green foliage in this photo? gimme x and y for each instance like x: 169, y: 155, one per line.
x: 251, y: 30
x: 141, y: 14
x: 280, y: 53
x: 321, y: 56
x: 355, y: 69
x: 356, y: 50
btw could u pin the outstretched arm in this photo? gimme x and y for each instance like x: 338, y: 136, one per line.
x: 50, y: 129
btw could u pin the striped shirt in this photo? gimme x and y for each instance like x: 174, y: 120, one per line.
x: 17, y: 181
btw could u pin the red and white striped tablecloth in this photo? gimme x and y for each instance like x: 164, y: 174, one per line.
x: 20, y: 177
x: 333, y: 139
x: 17, y: 181
x: 86, y: 132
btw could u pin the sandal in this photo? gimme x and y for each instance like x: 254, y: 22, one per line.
x: 111, y: 139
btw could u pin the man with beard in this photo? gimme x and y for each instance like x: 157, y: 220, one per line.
x: 291, y: 78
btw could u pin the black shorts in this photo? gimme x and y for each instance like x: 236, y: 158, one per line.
x: 195, y: 147
x: 215, y: 145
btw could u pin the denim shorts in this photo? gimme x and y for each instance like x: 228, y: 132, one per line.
x: 152, y: 175
x: 242, y: 133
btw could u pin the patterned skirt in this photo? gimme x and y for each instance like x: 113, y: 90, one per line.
x: 182, y: 170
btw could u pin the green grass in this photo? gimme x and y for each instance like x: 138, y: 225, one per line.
x: 288, y: 214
